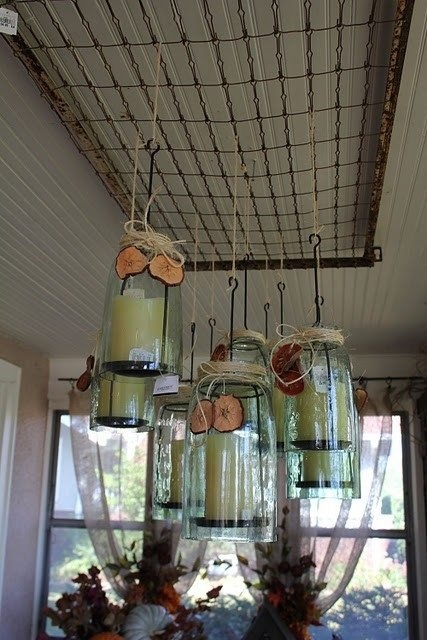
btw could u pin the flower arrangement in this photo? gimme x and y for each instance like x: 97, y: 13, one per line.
x: 151, y: 603
x: 288, y: 586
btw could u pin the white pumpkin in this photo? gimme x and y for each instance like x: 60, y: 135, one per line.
x: 144, y: 620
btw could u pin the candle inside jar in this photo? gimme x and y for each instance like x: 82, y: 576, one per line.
x: 229, y: 482
x: 136, y: 327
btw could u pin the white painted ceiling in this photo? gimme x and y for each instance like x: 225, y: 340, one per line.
x: 59, y: 230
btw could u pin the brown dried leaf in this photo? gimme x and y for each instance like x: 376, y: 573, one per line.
x: 201, y: 417
x: 228, y: 413
x: 169, y: 272
x: 129, y: 262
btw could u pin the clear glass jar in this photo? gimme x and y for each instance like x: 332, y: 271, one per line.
x: 250, y: 346
x: 141, y: 327
x: 230, y: 476
x: 168, y: 456
x: 321, y: 429
x: 121, y: 402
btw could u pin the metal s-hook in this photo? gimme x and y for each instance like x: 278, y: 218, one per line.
x: 315, y: 240
x: 193, y: 332
x: 233, y: 284
x: 212, y: 324
x: 266, y: 309
x: 151, y: 171
x: 245, y: 294
x: 281, y: 286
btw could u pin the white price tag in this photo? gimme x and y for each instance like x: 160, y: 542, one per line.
x: 166, y: 385
x: 8, y: 22
x: 320, y: 379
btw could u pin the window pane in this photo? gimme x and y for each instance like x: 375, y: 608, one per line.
x: 375, y: 602
x: 71, y: 552
x: 389, y: 513
x: 67, y: 500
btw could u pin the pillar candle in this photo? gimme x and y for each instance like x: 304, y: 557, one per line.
x: 123, y: 398
x: 177, y: 456
x: 325, y: 468
x: 136, y: 327
x: 314, y: 419
x: 229, y: 482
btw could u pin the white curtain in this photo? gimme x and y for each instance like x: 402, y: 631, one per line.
x: 114, y: 477
x: 335, y: 531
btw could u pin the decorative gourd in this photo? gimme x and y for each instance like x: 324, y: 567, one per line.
x: 143, y: 621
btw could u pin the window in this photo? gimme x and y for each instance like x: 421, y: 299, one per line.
x: 376, y: 597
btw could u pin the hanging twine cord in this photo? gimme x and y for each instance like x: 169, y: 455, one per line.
x: 140, y: 234
x: 307, y: 337
x: 213, y: 373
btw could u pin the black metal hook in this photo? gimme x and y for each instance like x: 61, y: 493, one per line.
x: 193, y: 333
x: 281, y: 286
x: 315, y: 240
x: 266, y: 309
x: 212, y: 324
x: 233, y: 284
x: 151, y: 171
x: 245, y: 294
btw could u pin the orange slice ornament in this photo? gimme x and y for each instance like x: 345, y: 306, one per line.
x: 130, y: 262
x: 220, y: 353
x: 285, y: 357
x: 291, y: 383
x: 201, y: 418
x: 228, y: 413
x: 168, y: 271
x: 83, y: 381
x: 360, y: 398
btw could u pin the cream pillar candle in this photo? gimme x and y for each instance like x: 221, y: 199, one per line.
x: 315, y: 421
x: 229, y: 482
x: 325, y: 468
x: 123, y: 398
x: 136, y: 327
x: 177, y: 457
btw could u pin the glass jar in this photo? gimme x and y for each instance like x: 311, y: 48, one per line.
x: 230, y: 457
x: 168, y: 456
x: 250, y: 346
x: 321, y: 428
x: 141, y: 327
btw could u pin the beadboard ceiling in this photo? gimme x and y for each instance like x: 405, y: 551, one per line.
x: 60, y: 224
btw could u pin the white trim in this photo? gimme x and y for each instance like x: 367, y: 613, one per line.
x: 41, y: 536
x: 10, y: 381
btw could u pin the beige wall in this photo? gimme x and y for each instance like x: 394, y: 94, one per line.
x: 26, y: 494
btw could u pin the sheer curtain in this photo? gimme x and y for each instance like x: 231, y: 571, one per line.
x: 336, y: 531
x: 114, y: 472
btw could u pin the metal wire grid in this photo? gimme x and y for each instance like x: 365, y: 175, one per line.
x: 238, y: 82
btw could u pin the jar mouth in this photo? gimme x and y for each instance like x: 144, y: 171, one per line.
x: 230, y: 367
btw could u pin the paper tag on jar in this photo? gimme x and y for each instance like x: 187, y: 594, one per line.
x: 8, y: 22
x: 166, y: 385
x: 320, y: 379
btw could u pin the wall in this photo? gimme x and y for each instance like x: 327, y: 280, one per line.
x: 26, y: 494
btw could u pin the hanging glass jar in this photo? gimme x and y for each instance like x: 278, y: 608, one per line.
x: 278, y: 403
x: 230, y: 456
x: 168, y: 456
x: 248, y: 346
x: 142, y: 321
x: 320, y: 425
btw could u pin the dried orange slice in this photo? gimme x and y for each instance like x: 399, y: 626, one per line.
x: 130, y: 262
x: 360, y: 398
x: 83, y: 381
x: 201, y: 417
x: 289, y: 383
x: 284, y: 357
x: 106, y: 635
x: 169, y: 272
x: 220, y: 353
x: 228, y: 413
